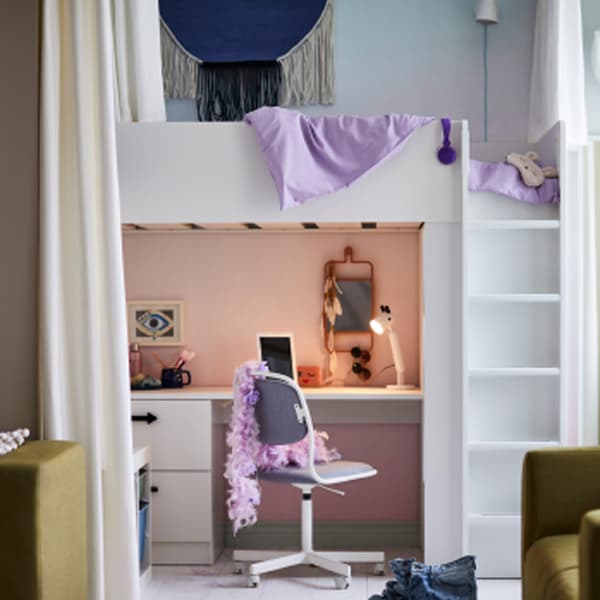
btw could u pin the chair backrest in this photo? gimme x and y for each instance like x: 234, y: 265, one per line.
x: 281, y: 411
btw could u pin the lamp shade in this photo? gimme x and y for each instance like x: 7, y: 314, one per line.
x: 487, y: 12
x: 379, y: 324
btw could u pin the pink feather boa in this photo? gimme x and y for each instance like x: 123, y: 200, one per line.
x: 248, y: 455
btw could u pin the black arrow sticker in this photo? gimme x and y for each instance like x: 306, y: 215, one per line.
x: 148, y: 417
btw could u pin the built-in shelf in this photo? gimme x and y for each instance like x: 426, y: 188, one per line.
x: 513, y: 353
x: 515, y: 372
x: 478, y: 446
x: 508, y: 516
x: 525, y: 298
x: 513, y: 224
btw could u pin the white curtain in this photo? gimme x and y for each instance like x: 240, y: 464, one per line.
x: 138, y: 68
x: 85, y: 387
x: 557, y: 78
x: 557, y: 94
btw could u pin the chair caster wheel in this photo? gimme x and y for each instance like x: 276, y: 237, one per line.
x: 342, y: 583
x: 253, y: 581
x: 379, y: 569
x: 238, y: 568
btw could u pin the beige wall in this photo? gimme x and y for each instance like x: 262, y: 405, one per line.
x: 19, y: 49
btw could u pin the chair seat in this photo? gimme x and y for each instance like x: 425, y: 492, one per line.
x: 551, y: 568
x: 336, y: 471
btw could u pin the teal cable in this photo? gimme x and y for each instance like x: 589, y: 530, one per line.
x: 485, y: 82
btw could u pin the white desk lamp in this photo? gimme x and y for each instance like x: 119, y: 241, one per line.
x: 381, y: 324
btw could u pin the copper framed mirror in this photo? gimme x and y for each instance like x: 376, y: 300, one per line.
x: 348, y: 301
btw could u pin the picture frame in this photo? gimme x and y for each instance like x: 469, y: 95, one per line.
x: 155, y: 322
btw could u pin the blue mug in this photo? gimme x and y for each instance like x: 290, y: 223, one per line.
x: 173, y: 378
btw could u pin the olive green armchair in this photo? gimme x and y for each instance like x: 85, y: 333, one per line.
x: 43, y: 522
x: 560, y: 531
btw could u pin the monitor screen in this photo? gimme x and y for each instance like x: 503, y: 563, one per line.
x: 277, y: 351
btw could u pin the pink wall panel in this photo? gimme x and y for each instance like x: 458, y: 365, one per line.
x: 237, y: 284
x: 392, y: 495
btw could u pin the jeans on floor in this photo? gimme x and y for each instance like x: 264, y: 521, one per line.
x: 416, y: 581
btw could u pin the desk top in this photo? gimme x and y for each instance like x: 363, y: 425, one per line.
x: 320, y: 393
x: 141, y: 456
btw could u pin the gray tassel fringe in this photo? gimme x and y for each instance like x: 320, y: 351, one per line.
x: 307, y: 70
x: 227, y: 91
x: 305, y: 75
x: 179, y: 67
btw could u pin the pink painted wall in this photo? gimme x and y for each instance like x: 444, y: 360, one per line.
x: 392, y: 495
x: 237, y: 284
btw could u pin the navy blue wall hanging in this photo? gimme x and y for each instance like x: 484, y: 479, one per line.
x: 233, y: 56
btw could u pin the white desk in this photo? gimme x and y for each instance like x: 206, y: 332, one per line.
x: 311, y: 393
x: 187, y: 444
x: 327, y: 404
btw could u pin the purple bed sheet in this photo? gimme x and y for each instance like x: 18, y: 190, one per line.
x: 313, y: 156
x: 505, y: 179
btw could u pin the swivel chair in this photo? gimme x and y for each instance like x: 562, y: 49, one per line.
x: 283, y: 418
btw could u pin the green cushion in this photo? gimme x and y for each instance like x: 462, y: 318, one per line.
x: 559, y: 486
x: 43, y: 522
x: 551, y: 568
x: 589, y: 555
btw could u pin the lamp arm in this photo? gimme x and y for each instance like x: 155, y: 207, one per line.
x: 397, y: 356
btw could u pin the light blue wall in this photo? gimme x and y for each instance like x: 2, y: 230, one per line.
x: 426, y: 57
x: 591, y: 22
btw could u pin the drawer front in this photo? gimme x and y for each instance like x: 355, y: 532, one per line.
x: 181, y: 508
x: 180, y: 438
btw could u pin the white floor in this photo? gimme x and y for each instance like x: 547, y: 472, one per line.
x: 299, y: 583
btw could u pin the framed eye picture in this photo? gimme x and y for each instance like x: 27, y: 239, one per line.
x: 155, y: 323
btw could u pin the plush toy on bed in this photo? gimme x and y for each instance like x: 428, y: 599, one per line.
x: 532, y: 173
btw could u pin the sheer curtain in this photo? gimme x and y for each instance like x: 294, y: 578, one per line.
x: 557, y: 77
x: 557, y: 93
x: 85, y: 386
x: 138, y: 70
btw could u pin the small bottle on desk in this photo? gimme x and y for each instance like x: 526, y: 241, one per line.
x: 135, y: 360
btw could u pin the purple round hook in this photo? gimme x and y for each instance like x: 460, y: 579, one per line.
x: 446, y: 154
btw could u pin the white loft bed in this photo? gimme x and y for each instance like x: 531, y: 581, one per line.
x: 514, y: 396
x: 214, y: 173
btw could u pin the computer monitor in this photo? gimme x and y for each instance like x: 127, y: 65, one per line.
x: 277, y: 350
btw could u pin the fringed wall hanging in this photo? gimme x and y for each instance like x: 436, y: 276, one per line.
x: 234, y: 56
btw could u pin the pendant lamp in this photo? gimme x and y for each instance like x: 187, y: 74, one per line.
x: 487, y: 12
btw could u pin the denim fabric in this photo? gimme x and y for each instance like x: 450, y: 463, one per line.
x: 451, y: 581
x: 416, y: 581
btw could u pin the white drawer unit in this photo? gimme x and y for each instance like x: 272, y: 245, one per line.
x: 181, y: 506
x: 187, y: 478
x: 180, y: 437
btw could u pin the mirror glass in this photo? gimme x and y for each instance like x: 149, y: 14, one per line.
x: 355, y: 297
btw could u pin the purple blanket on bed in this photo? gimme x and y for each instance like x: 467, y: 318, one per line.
x: 313, y: 156
x: 505, y: 179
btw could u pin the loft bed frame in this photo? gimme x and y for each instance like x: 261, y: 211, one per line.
x: 202, y: 177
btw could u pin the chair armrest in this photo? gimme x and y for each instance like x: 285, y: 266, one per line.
x: 589, y: 556
x: 559, y: 486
